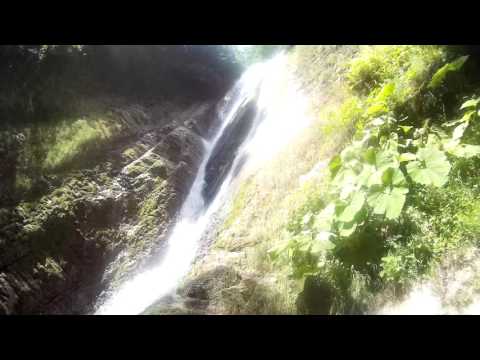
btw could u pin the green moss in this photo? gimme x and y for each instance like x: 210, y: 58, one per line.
x: 159, y: 169
x: 23, y: 183
x: 136, y: 169
x: 57, y: 205
x: 239, y: 203
x: 153, y: 164
x: 130, y: 154
x: 152, y: 210
x: 74, y: 138
x: 51, y: 268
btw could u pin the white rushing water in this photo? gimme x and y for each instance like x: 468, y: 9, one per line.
x: 275, y: 124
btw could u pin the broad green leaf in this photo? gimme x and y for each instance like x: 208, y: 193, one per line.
x: 393, y: 148
x: 465, y: 150
x: 388, y: 202
x: 393, y: 176
x: 348, y: 154
x: 387, y: 176
x: 347, y: 229
x: 369, y: 156
x: 335, y: 165
x: 353, y: 208
x: 398, y: 178
x: 470, y: 103
x: 375, y: 178
x: 440, y: 75
x: 322, y: 242
x: 437, y: 164
x: 324, y: 219
x: 468, y: 115
x: 395, y: 202
x: 418, y: 174
x: 344, y: 176
x: 453, y: 123
x: 348, y: 188
x: 385, y: 159
x: 379, y: 103
x: 386, y: 92
x: 407, y: 157
x: 459, y: 130
x: 450, y: 145
x: 366, y: 174
x: 378, y: 201
x: 405, y: 129
x: 377, y: 109
x: 435, y: 169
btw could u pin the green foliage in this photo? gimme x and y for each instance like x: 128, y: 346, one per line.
x: 41, y: 81
x: 75, y: 138
x: 408, y: 64
x: 239, y: 204
x: 153, y: 209
x: 439, y: 77
x: 431, y: 168
x: 397, y: 199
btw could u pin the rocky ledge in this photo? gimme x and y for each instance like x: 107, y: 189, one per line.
x: 92, y: 226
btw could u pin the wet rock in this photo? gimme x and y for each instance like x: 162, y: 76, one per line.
x: 227, y: 148
x: 204, y: 121
x: 203, y: 291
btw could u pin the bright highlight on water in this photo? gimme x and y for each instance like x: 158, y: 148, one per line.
x: 272, y: 127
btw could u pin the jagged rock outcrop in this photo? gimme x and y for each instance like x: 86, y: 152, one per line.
x: 94, y: 225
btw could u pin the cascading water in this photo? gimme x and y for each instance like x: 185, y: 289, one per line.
x: 262, y: 130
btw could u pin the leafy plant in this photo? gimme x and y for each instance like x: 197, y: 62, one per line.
x: 439, y: 77
x: 371, y: 180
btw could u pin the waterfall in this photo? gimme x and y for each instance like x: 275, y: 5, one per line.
x: 253, y: 127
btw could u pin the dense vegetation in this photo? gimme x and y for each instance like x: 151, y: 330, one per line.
x: 56, y: 101
x: 394, y: 150
x: 380, y: 192
x: 39, y: 81
x: 403, y: 194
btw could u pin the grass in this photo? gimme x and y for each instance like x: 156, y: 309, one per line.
x: 71, y: 142
x: 72, y: 138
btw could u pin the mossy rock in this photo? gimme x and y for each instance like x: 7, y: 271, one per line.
x: 131, y: 153
x: 207, y: 284
x: 158, y: 169
x: 136, y: 169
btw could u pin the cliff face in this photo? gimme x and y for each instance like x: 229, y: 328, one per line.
x: 55, y: 249
x: 87, y: 197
